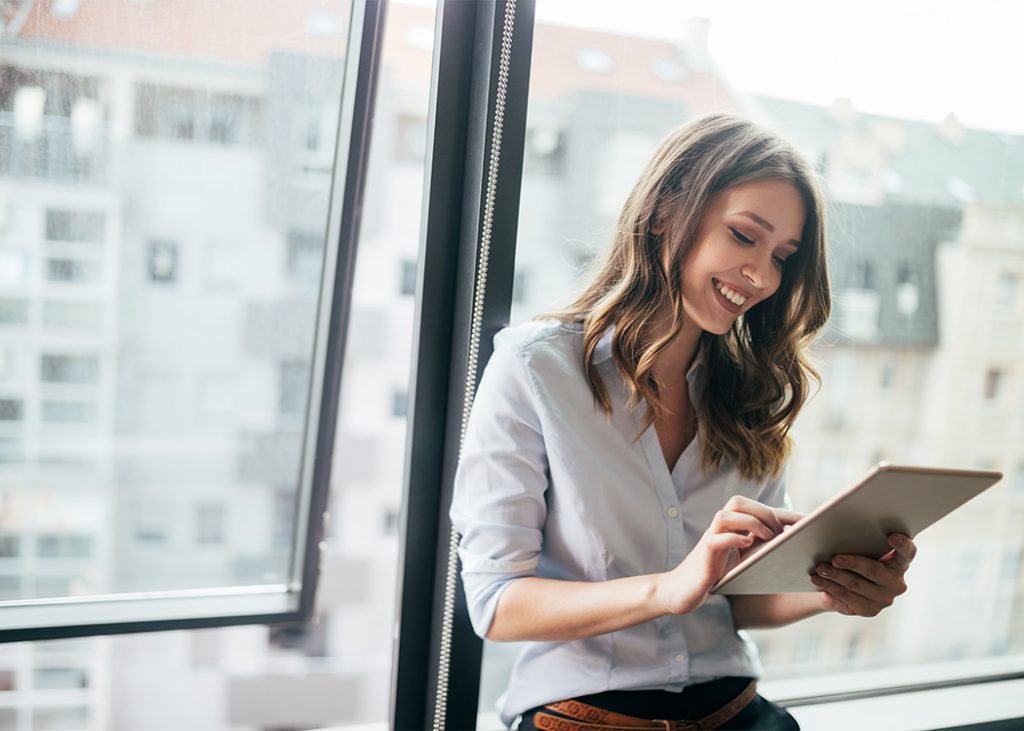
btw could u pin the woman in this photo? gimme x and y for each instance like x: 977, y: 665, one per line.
x: 624, y: 454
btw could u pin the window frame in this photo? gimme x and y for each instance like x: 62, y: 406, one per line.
x: 293, y: 601
x: 424, y: 694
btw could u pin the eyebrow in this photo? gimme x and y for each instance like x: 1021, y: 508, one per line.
x: 760, y: 221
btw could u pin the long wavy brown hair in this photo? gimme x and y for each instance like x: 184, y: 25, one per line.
x: 758, y: 374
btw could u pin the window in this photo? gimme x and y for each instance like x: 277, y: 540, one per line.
x: 192, y: 115
x: 10, y: 546
x: 77, y: 315
x: 69, y: 369
x: 69, y: 225
x: 71, y: 270
x: 408, y: 277
x: 400, y: 403
x: 305, y: 255
x: 63, y: 546
x: 1006, y: 289
x: 13, y: 311
x: 68, y: 412
x: 162, y: 261
x: 11, y: 409
x: 994, y: 379
x: 119, y: 481
x: 294, y: 388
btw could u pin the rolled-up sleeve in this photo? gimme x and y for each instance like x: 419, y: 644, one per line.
x: 498, y: 505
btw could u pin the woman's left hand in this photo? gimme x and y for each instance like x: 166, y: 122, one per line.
x: 861, y: 586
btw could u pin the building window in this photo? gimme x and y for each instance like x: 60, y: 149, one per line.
x: 400, y: 403
x: 210, y: 524
x: 77, y: 314
x: 85, y: 226
x: 69, y: 369
x: 594, y: 61
x: 1006, y: 289
x: 12, y: 409
x: 408, y: 277
x: 199, y: 116
x: 305, y: 256
x: 68, y: 412
x: 162, y: 261
x: 994, y: 382
x: 862, y: 275
x: 57, y: 678
x: 54, y: 545
x: 71, y: 270
x: 520, y: 287
x: 10, y: 546
x: 14, y: 311
x: 294, y: 387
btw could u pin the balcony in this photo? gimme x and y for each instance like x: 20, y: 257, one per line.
x: 54, y: 152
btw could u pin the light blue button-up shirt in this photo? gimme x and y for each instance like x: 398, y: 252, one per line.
x: 548, y: 486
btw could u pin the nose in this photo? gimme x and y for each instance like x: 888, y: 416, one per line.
x: 759, y: 272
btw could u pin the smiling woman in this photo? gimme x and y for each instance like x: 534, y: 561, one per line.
x: 595, y: 537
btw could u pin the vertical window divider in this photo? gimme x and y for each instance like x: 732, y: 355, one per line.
x: 476, y: 134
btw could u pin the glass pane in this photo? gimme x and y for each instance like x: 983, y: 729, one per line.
x: 156, y: 332
x: 336, y: 671
x: 922, y: 361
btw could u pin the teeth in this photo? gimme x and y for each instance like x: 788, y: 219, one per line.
x: 735, y: 297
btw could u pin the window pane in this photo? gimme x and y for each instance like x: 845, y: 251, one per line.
x: 921, y: 360
x: 236, y: 277
x: 156, y: 346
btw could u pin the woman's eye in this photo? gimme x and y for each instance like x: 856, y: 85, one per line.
x: 779, y: 261
x: 745, y: 240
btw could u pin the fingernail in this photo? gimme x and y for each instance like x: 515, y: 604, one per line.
x: 825, y: 570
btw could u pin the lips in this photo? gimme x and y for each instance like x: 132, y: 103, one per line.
x: 729, y: 297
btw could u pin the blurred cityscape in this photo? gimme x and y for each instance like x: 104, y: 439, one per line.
x: 165, y: 169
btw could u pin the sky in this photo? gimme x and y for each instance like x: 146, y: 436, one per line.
x: 917, y: 59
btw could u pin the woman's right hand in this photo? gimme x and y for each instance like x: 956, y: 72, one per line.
x: 740, y: 527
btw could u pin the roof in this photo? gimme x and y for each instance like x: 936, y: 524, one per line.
x: 941, y: 164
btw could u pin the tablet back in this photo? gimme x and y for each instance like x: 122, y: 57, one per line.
x: 890, y: 499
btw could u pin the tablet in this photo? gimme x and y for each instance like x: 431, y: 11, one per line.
x: 889, y: 499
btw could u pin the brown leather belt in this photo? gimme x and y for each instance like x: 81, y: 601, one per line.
x: 577, y: 716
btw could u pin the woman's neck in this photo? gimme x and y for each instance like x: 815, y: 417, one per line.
x: 674, y: 362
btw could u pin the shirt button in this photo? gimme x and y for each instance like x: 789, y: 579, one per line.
x: 673, y: 512
x: 680, y: 657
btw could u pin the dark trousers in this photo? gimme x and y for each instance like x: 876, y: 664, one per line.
x: 693, y: 703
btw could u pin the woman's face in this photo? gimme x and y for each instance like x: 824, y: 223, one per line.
x: 738, y: 257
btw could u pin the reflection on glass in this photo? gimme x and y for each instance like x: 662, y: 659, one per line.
x: 922, y: 357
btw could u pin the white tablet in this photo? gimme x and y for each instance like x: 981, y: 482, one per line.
x: 890, y: 499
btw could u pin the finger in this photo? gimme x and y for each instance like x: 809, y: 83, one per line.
x: 765, y: 514
x: 874, y: 571
x: 905, y: 550
x: 856, y: 584
x: 858, y: 605
x: 728, y: 520
x: 787, y: 517
x: 721, y: 542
